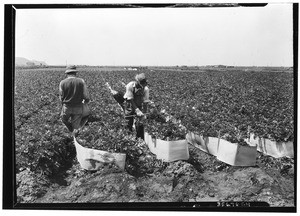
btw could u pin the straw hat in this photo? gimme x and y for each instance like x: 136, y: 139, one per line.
x: 140, y: 77
x: 71, y: 69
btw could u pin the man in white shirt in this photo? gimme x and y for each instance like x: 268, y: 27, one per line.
x: 136, y: 102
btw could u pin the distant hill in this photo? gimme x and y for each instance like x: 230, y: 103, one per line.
x: 20, y: 61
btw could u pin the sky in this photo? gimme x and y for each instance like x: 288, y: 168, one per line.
x: 240, y: 36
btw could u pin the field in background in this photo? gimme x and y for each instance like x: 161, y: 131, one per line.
x: 207, y: 100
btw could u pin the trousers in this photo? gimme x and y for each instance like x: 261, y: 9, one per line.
x: 129, y: 115
x: 74, y: 117
x: 132, y: 119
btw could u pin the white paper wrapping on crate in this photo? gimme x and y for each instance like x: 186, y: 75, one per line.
x: 151, y: 142
x: 235, y: 154
x: 93, y: 159
x: 206, y: 144
x: 227, y: 152
x: 272, y: 148
x: 168, y: 151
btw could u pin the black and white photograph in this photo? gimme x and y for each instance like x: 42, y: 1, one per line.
x: 151, y: 106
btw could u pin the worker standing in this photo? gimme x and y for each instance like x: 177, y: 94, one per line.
x: 136, y: 102
x: 74, y: 96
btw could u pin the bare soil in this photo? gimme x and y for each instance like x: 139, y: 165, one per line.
x: 180, y: 181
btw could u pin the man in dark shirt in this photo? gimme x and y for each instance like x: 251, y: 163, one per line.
x: 74, y: 96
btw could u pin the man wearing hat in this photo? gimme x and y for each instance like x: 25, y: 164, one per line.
x: 136, y: 102
x: 74, y: 96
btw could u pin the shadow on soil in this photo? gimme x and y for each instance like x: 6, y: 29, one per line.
x: 66, y: 164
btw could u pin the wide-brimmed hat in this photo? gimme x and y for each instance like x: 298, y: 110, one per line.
x: 141, y: 77
x: 71, y: 69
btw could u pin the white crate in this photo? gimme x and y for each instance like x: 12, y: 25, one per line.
x: 277, y: 149
x: 235, y: 154
x: 273, y: 148
x: 93, y: 159
x: 168, y: 151
x: 151, y: 142
x: 206, y: 144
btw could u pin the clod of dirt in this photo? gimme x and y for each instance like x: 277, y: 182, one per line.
x: 97, y: 187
